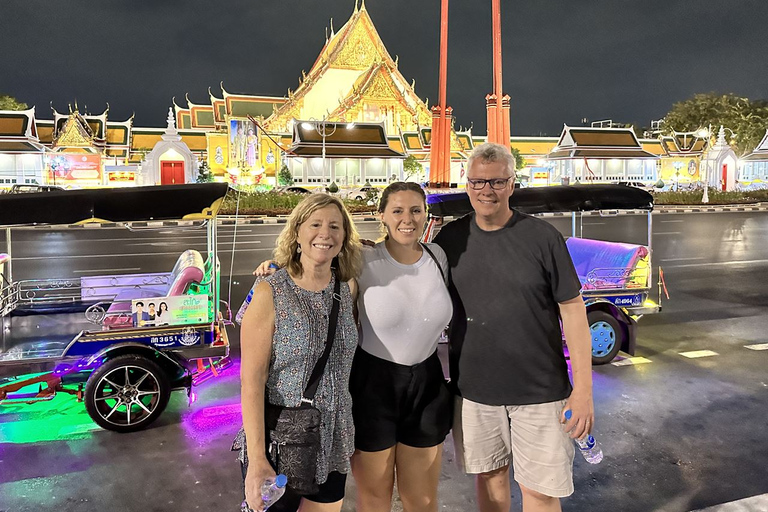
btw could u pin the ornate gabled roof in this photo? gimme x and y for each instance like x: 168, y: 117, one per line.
x: 684, y: 144
x: 75, y: 132
x: 119, y: 133
x: 219, y: 107
x: 343, y: 140
x: 761, y: 151
x: 201, y: 115
x: 353, y: 60
x: 583, y: 142
x: 243, y: 105
x: 18, y: 124
x: 183, y: 116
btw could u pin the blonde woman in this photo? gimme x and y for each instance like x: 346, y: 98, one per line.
x: 283, y: 335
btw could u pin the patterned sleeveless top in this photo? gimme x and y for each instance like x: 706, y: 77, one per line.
x: 301, y: 328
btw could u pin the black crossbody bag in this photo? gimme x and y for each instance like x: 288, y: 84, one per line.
x: 292, y: 434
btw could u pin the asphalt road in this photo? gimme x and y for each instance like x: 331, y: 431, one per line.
x: 679, y: 433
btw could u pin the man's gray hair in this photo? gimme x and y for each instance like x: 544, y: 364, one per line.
x: 492, y: 152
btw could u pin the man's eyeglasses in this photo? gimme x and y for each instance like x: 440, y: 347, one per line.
x: 495, y: 183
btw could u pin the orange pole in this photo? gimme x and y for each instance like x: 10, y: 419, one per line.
x: 434, y: 147
x: 500, y: 126
x: 505, y: 120
x: 492, y: 117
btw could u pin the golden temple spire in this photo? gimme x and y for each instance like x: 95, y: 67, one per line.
x: 362, y: 5
x: 355, y: 7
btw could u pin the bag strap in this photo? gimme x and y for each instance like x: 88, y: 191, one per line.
x: 439, y: 266
x: 317, y: 371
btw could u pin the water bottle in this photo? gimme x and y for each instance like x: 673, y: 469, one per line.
x: 241, y: 311
x: 587, y: 446
x: 271, y: 490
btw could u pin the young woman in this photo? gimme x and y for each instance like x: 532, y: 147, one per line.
x: 401, y: 405
x: 283, y: 335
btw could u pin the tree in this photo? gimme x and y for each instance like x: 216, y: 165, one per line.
x: 333, y: 187
x: 519, y: 159
x: 748, y: 119
x: 284, y: 176
x: 204, y: 174
x: 412, y: 167
x: 11, y: 103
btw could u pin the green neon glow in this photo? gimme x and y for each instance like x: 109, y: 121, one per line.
x: 60, y: 419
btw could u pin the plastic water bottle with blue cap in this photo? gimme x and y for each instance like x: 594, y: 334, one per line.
x: 588, y: 445
x: 271, y: 490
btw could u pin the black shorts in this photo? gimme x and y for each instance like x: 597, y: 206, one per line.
x: 394, y: 403
x: 331, y: 491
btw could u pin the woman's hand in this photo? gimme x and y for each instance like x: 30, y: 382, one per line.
x: 258, y: 471
x: 266, y: 268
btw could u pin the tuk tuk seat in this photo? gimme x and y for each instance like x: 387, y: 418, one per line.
x: 605, y: 265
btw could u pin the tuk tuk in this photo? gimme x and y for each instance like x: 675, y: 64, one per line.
x: 120, y: 342
x: 616, y: 277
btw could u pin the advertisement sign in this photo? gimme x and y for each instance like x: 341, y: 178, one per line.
x: 178, y: 310
x: 74, y: 168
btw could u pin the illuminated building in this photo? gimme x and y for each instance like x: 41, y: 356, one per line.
x: 599, y: 155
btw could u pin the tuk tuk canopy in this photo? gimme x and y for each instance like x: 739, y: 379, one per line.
x: 559, y: 198
x: 167, y: 202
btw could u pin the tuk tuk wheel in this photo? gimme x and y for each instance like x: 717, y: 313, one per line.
x: 127, y: 393
x: 607, y: 336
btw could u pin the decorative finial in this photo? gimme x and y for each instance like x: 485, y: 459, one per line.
x: 76, y: 109
x: 362, y: 5
x: 721, y: 136
x: 355, y: 6
x: 413, y: 84
x: 397, y: 59
x: 171, y: 129
x: 332, y: 31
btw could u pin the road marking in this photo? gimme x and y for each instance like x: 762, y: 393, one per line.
x: 667, y: 233
x: 720, y: 263
x: 759, y: 346
x: 752, y: 504
x: 105, y: 270
x: 631, y: 361
x: 684, y: 259
x: 698, y: 353
x: 126, y: 255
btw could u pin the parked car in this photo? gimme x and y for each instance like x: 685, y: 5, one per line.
x: 361, y: 193
x: 23, y: 188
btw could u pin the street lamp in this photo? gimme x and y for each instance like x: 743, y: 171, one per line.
x: 322, y: 129
x: 677, y: 166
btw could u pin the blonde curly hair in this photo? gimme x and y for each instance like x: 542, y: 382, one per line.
x: 286, y: 255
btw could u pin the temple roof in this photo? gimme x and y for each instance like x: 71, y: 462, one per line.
x: 18, y: 124
x: 761, y: 151
x: 354, y: 64
x: 582, y: 142
x: 343, y: 140
x: 244, y: 105
x: 684, y: 144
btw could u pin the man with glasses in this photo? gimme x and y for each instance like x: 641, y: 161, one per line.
x: 513, y: 283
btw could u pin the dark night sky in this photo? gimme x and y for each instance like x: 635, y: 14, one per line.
x: 564, y: 60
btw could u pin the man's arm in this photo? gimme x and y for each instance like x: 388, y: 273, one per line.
x: 574, y: 316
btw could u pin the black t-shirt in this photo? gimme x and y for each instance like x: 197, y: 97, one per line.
x: 506, y: 342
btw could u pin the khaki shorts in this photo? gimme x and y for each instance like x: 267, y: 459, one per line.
x: 489, y: 437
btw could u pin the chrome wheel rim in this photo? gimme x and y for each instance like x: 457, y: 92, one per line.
x: 127, y: 395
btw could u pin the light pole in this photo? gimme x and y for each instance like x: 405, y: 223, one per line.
x: 677, y: 166
x: 322, y: 129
